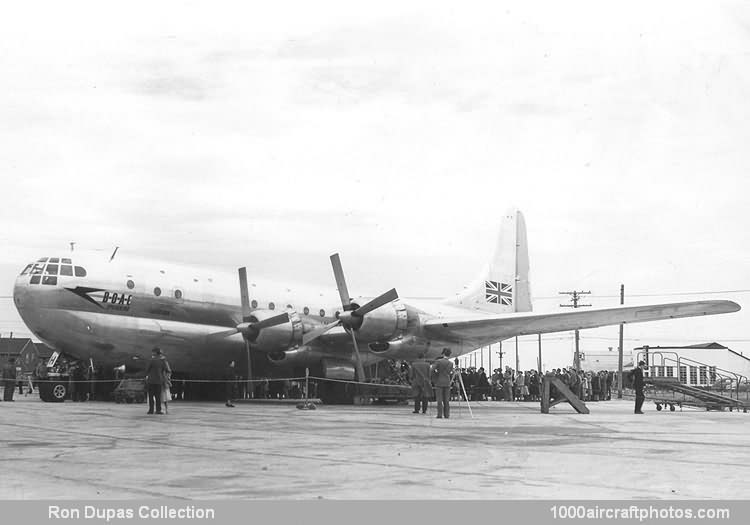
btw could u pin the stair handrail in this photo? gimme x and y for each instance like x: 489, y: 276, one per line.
x: 733, y: 377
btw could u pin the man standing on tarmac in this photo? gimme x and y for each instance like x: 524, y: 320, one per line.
x: 157, y: 371
x: 419, y: 377
x: 442, y: 373
x: 229, y: 383
x: 637, y: 375
x: 9, y: 379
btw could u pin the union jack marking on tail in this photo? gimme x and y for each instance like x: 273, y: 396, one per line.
x: 498, y: 293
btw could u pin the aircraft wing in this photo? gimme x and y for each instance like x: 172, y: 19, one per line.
x: 488, y: 329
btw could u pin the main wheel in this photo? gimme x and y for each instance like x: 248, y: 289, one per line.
x: 658, y: 406
x: 59, y: 391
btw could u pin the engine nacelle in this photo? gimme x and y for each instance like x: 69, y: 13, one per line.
x: 407, y: 348
x: 277, y: 338
x: 385, y: 323
x: 302, y: 356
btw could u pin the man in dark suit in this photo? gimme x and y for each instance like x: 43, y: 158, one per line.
x: 156, y: 374
x: 442, y: 373
x: 637, y: 376
x: 419, y: 377
x: 229, y: 379
x: 9, y: 379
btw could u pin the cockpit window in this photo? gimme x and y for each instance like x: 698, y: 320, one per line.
x: 49, y: 279
x: 37, y: 269
x: 51, y: 269
x: 26, y: 270
x: 80, y: 271
x: 66, y: 261
x: 66, y: 269
x: 35, y: 279
x: 43, y: 259
x: 54, y: 259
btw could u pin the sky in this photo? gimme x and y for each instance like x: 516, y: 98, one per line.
x: 272, y: 135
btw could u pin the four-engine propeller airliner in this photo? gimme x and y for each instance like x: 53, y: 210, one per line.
x: 115, y: 310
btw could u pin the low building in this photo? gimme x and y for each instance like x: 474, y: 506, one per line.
x: 697, y: 365
x: 604, y: 360
x: 25, y: 351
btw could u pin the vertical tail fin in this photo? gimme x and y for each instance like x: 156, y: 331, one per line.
x: 503, y: 285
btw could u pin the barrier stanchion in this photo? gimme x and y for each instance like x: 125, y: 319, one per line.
x: 307, y: 405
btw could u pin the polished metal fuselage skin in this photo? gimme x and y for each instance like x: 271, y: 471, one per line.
x: 123, y: 308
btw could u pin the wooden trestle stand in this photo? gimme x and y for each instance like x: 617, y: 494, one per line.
x: 565, y: 395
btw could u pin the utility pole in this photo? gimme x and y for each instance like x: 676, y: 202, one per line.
x: 620, y: 349
x: 575, y: 297
x: 500, y: 356
x: 517, y: 364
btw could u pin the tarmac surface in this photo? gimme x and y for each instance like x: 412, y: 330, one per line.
x: 262, y: 450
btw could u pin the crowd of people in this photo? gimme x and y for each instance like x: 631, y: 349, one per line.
x: 512, y: 385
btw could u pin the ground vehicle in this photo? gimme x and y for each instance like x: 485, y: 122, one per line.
x: 53, y: 380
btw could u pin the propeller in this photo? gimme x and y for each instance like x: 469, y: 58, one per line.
x: 250, y: 326
x: 353, y: 315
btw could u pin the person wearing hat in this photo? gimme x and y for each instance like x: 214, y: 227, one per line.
x: 419, y: 377
x: 637, y: 376
x: 157, y: 372
x: 229, y: 377
x: 442, y: 373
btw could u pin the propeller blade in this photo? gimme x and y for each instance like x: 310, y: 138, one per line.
x: 358, y: 363
x: 338, y: 274
x: 317, y: 332
x: 271, y: 321
x: 244, y: 294
x: 248, y: 349
x: 221, y: 335
x: 387, y: 297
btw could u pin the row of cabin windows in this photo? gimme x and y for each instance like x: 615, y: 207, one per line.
x: 254, y: 304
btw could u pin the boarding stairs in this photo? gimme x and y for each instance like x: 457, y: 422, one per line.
x: 718, y: 388
x: 701, y: 397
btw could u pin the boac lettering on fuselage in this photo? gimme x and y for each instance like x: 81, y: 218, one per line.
x: 104, y: 299
x: 121, y: 301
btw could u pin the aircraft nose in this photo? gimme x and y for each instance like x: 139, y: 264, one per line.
x: 20, y: 291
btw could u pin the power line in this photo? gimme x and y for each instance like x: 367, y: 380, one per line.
x: 664, y: 294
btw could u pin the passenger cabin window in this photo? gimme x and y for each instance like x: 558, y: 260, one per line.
x: 254, y: 304
x: 178, y: 294
x: 322, y: 313
x: 157, y: 291
x: 271, y: 306
x: 130, y: 284
x: 306, y: 310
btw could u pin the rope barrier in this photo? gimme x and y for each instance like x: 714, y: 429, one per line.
x: 208, y: 381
